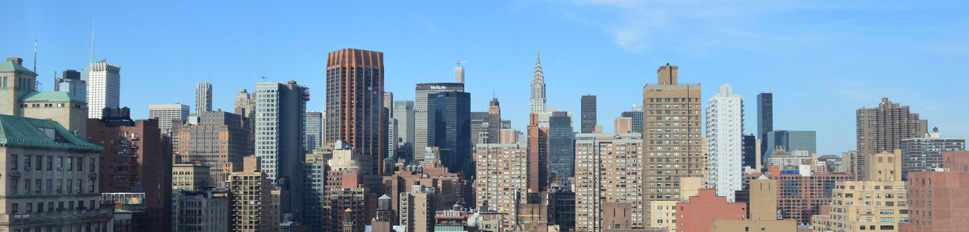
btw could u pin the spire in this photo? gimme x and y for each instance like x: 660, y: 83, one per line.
x: 93, y: 24
x: 538, y: 86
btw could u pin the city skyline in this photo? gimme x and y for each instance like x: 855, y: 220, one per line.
x: 824, y: 64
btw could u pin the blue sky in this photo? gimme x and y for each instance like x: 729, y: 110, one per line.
x: 821, y: 59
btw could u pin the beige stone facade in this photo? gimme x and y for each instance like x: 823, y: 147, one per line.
x: 191, y: 176
x: 864, y: 206
x: 251, y: 199
x: 608, y: 170
x: 501, y: 179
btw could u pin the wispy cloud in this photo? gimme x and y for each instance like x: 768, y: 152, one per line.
x: 424, y: 22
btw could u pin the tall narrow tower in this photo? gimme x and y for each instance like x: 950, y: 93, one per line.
x: 671, y: 134
x: 203, y: 97
x: 725, y: 124
x: 354, y: 103
x: 103, y: 87
x: 538, y: 87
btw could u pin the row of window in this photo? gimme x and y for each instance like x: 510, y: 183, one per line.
x: 35, y: 187
x: 53, y: 163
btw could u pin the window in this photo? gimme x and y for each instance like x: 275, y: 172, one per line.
x: 30, y: 208
x: 40, y: 207
x: 60, y: 186
x: 40, y: 163
x: 68, y: 164
x: 13, y: 186
x: 26, y: 186
x: 13, y: 162
x: 27, y: 162
x: 13, y: 208
x: 91, y: 164
x: 80, y: 166
x: 90, y: 186
x: 70, y: 185
x: 50, y: 163
x: 60, y: 163
x: 37, y: 183
x: 50, y: 186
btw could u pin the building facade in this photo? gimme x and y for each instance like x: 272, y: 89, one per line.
x: 672, y: 143
x: 936, y: 199
x: 216, y: 139
x: 103, y: 86
x: 423, y: 133
x: 883, y: 129
x: 280, y: 111
x: 538, y: 87
x: 725, y: 128
x: 166, y: 113
x: 354, y: 103
x: 790, y: 141
x: 801, y: 194
x: 588, y: 106
x: 314, y: 131
x: 501, y: 179
x: 699, y: 212
x: 200, y: 211
x: 925, y: 154
x: 250, y: 203
x: 404, y: 113
x: 203, y: 97
x: 865, y: 206
x: 765, y: 117
x: 608, y: 169
x: 449, y: 122
x: 561, y: 146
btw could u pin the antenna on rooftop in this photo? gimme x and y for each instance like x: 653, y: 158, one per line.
x: 93, y: 26
x: 35, y: 53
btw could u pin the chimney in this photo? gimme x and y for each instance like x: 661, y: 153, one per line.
x: 16, y: 60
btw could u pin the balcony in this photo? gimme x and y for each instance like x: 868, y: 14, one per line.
x: 25, y: 218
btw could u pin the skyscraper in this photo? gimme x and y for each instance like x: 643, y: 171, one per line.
x: 672, y: 138
x: 203, y: 97
x: 280, y: 111
x: 537, y: 147
x: 459, y: 73
x: 502, y: 179
x: 251, y: 199
x: 449, y: 120
x: 404, y: 113
x: 243, y: 101
x: 196, y: 137
x: 561, y: 145
x: 103, y: 87
x: 725, y: 128
x: 765, y: 118
x: 588, y: 114
x: 883, y: 129
x: 925, y: 154
x: 423, y: 136
x: 165, y: 113
x: 606, y: 172
x: 636, y: 115
x: 391, y: 124
x: 494, y: 121
x: 538, y: 87
x: 749, y: 151
x: 314, y: 131
x: 354, y: 103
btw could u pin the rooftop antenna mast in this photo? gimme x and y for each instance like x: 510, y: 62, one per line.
x: 93, y: 26
x: 35, y: 53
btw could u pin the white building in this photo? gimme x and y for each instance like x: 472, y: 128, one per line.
x: 725, y: 123
x: 103, y: 87
x: 166, y: 113
x: 203, y: 97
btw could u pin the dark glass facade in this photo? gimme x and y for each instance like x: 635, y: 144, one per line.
x: 749, y: 151
x: 589, y: 114
x: 449, y: 116
x: 765, y: 118
x: 561, y: 145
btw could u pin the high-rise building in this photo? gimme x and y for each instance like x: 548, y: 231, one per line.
x: 494, y: 121
x: 765, y: 117
x: 790, y: 141
x: 391, y: 124
x: 404, y: 113
x: 883, y: 129
x: 314, y: 189
x: 588, y: 113
x: 750, y: 152
x: 243, y: 102
x: 636, y: 117
x: 166, y: 113
x: 423, y: 134
x: 561, y: 146
x: 203, y: 97
x: 459, y: 73
x: 251, y: 207
x: 192, y: 176
x: 449, y: 121
x: 672, y: 139
x: 937, y: 198
x: 314, y: 131
x: 538, y: 87
x: 538, y: 173
x: 38, y: 188
x: 280, y: 111
x: 216, y: 139
x: 71, y: 82
x: 417, y: 209
x: 925, y: 154
x: 345, y: 193
x: 725, y: 128
x: 20, y: 98
x: 200, y: 211
x: 354, y: 103
x: 103, y: 87
x: 608, y: 170
x: 136, y: 159
x: 501, y: 180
